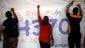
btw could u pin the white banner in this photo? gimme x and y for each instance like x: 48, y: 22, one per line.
x: 28, y: 25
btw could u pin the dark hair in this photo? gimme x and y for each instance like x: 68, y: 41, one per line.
x: 75, y: 10
x: 8, y: 14
x: 46, y: 20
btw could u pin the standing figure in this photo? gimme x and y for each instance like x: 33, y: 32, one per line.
x: 74, y: 36
x: 45, y: 30
x: 10, y: 30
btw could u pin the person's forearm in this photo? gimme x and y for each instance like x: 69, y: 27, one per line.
x: 80, y: 11
x: 68, y: 6
x: 38, y: 12
x: 15, y: 16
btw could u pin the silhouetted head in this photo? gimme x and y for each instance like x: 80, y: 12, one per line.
x: 75, y: 10
x: 8, y: 14
x: 46, y: 20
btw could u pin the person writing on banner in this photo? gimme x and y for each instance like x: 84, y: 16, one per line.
x: 74, y: 36
x: 9, y: 29
x: 45, y: 30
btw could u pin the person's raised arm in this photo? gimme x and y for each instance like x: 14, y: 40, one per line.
x: 67, y: 9
x: 38, y: 13
x: 80, y: 10
x: 13, y: 11
x: 68, y: 6
x: 38, y: 10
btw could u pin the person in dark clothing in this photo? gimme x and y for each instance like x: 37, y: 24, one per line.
x: 74, y: 36
x: 45, y: 30
x: 10, y: 30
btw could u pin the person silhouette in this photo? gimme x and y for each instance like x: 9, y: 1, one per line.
x: 9, y: 29
x: 74, y: 36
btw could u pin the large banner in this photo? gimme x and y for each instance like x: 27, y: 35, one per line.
x: 28, y: 25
